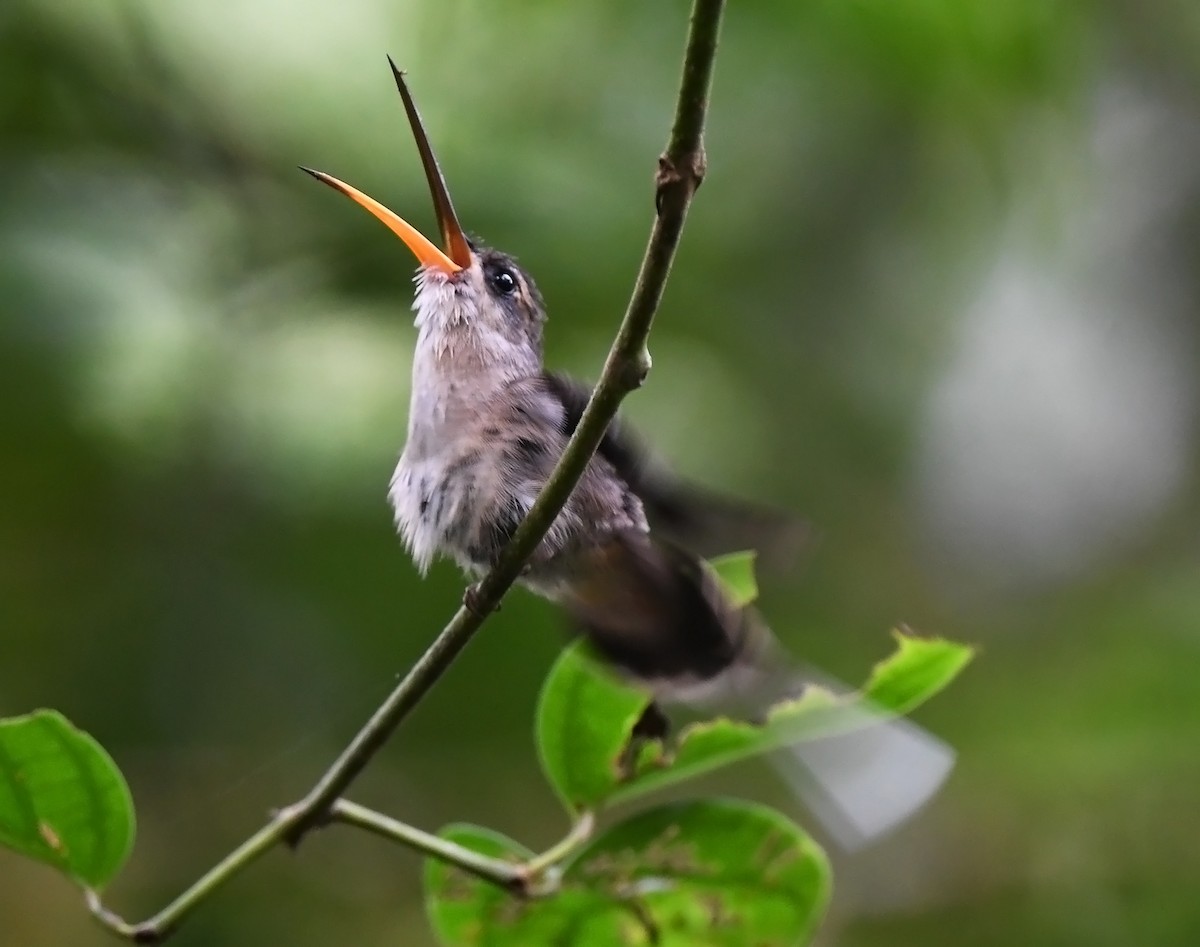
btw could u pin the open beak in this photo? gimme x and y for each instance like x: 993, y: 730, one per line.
x: 457, y: 253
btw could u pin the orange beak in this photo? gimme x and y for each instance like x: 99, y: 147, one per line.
x: 457, y: 253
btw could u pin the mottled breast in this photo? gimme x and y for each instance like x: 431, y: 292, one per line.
x: 463, y: 492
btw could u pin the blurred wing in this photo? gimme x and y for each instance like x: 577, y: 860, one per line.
x: 652, y: 612
x: 657, y: 613
x: 710, y: 524
x: 861, y: 783
x: 864, y: 784
x: 702, y: 521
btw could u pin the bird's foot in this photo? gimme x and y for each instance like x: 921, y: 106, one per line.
x: 472, y: 599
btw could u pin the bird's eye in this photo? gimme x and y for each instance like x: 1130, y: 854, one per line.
x: 503, y: 282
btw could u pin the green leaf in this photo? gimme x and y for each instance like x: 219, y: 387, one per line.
x: 709, y: 745
x: 585, y: 719
x: 919, y: 669
x: 466, y: 911
x: 736, y: 572
x: 586, y: 716
x: 714, y: 871
x: 62, y: 799
x: 457, y: 902
x: 702, y: 873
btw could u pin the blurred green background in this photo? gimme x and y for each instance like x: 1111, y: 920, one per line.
x: 940, y: 293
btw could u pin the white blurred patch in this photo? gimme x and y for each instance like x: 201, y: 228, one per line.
x: 865, y: 784
x: 1064, y: 422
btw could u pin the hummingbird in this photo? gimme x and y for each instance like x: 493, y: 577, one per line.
x: 625, y: 558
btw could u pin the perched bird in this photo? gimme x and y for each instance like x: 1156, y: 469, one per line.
x: 487, y: 423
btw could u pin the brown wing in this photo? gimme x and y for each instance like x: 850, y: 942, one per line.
x: 700, y: 520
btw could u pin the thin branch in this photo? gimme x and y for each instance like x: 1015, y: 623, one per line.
x: 522, y: 878
x: 580, y: 833
x: 158, y: 928
x: 681, y: 169
x: 499, y: 872
x: 680, y: 172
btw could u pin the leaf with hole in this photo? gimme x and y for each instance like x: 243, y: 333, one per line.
x: 586, y: 716
x: 716, y: 872
x: 919, y: 669
x: 466, y: 911
x: 62, y: 799
x: 586, y: 720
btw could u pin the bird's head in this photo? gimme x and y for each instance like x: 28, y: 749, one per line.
x: 466, y: 293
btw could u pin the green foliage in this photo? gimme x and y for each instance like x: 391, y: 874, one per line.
x: 920, y: 668
x: 706, y: 872
x: 586, y: 719
x: 583, y: 726
x: 464, y: 909
x: 693, y: 874
x: 62, y: 799
x: 712, y: 872
x: 736, y: 572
